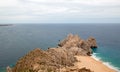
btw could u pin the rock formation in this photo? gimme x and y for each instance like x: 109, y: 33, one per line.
x: 9, y: 69
x: 78, y: 45
x: 92, y: 42
x: 54, y: 59
x: 77, y: 70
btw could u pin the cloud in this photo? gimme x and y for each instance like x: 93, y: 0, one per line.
x: 86, y: 2
x: 8, y: 3
x: 47, y: 9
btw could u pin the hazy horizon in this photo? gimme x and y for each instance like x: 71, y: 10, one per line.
x: 63, y: 11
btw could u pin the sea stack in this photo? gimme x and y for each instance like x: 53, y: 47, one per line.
x: 56, y: 59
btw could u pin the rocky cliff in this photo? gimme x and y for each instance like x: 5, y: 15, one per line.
x: 78, y: 45
x: 55, y: 59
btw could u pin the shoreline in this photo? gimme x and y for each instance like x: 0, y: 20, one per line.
x: 71, y: 54
x: 92, y: 64
x: 108, y: 64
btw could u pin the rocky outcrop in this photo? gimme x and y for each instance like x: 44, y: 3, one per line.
x: 61, y: 56
x: 9, y: 69
x: 77, y: 70
x: 37, y: 60
x: 78, y: 45
x: 92, y: 42
x: 54, y: 59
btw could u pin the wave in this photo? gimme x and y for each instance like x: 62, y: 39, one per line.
x: 108, y: 64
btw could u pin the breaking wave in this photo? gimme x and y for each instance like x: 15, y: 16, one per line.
x: 108, y: 64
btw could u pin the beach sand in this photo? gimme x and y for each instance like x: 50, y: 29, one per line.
x: 92, y: 64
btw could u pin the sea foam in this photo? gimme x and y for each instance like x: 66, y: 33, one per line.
x: 108, y: 64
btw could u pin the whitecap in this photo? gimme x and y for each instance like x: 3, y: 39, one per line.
x: 108, y: 64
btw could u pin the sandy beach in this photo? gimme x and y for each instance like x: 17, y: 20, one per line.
x: 92, y: 64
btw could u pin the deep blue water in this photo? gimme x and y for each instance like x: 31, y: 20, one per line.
x: 17, y: 40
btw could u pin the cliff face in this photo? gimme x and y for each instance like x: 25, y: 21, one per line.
x: 78, y: 45
x: 54, y: 59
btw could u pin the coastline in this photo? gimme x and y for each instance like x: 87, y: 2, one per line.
x: 92, y: 64
x: 108, y: 64
x: 71, y: 54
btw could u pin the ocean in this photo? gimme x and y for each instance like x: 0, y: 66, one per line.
x: 18, y: 39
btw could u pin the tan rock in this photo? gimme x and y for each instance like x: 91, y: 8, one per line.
x: 9, y: 69
x: 54, y: 59
x: 92, y: 42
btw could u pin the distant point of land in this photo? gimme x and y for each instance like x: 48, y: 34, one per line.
x: 6, y: 24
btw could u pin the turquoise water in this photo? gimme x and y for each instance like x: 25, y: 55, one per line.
x: 110, y: 59
x: 17, y: 40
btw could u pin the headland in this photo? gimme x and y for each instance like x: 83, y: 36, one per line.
x: 72, y: 54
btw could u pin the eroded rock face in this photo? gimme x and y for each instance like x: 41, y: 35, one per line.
x: 70, y: 41
x: 83, y: 46
x: 92, y: 42
x: 61, y: 56
x: 53, y: 59
x: 33, y: 61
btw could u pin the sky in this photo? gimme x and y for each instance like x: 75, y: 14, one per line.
x: 59, y: 11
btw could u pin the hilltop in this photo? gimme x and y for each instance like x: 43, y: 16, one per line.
x: 56, y: 59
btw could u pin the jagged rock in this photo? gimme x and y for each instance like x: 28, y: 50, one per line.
x: 74, y: 41
x: 33, y: 61
x: 76, y: 70
x: 53, y: 59
x: 92, y: 42
x: 62, y: 56
x: 9, y: 69
x: 70, y: 41
x: 84, y: 70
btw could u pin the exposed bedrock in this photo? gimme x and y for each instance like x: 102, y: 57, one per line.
x: 56, y: 58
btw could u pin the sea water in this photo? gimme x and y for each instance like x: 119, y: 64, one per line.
x: 18, y: 39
